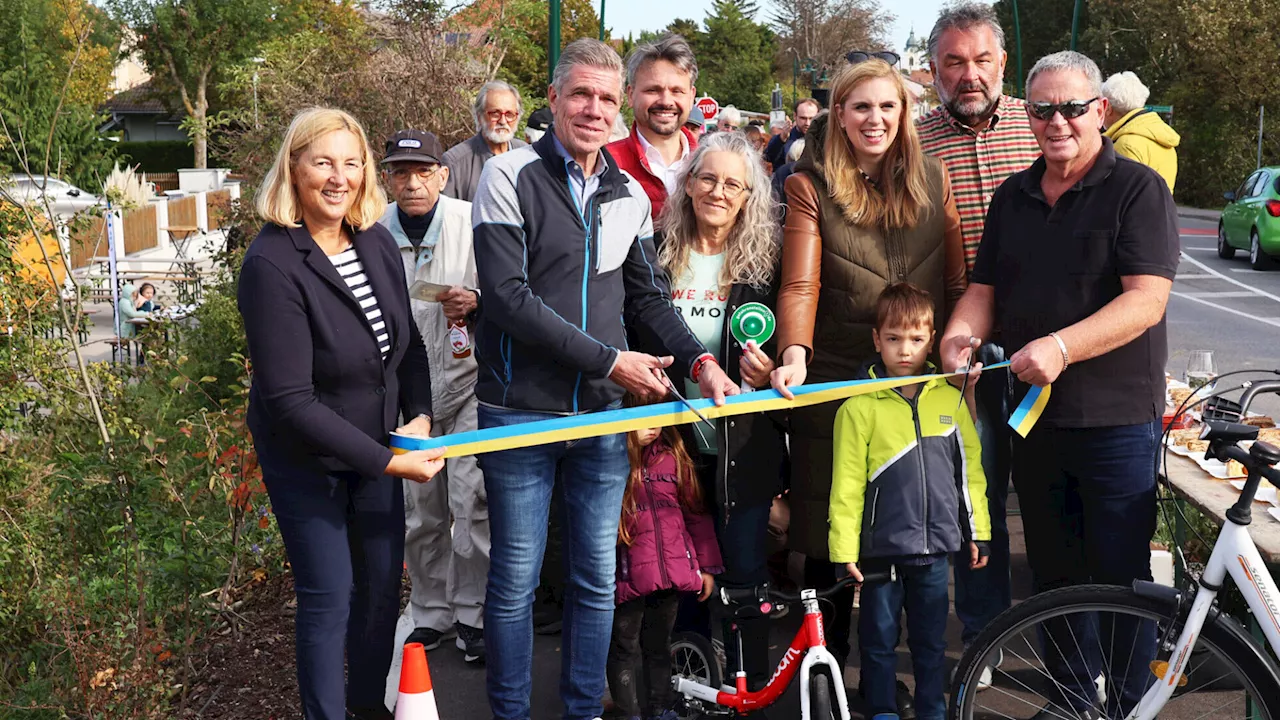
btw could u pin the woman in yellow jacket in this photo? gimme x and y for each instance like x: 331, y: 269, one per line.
x: 1138, y: 133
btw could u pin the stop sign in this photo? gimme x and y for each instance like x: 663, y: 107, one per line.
x: 709, y: 107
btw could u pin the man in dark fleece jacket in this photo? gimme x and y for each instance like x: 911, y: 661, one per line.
x: 563, y: 239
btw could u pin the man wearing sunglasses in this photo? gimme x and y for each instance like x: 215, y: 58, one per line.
x: 497, y: 112
x: 447, y: 562
x: 1075, y: 268
x: 983, y: 137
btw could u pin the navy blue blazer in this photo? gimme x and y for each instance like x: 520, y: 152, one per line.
x: 323, y: 399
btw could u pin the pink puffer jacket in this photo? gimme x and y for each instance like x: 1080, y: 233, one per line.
x: 670, y: 545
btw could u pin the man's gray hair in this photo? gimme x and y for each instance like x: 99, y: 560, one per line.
x: 1069, y: 61
x: 962, y: 16
x: 729, y: 115
x: 1125, y: 92
x: 671, y: 48
x: 482, y: 100
x: 589, y: 52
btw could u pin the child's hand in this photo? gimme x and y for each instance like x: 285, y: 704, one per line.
x: 977, y: 559
x: 708, y: 587
x: 854, y: 571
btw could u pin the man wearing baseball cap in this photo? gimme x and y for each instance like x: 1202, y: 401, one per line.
x: 433, y: 232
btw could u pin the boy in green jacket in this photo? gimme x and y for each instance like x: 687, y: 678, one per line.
x: 907, y: 490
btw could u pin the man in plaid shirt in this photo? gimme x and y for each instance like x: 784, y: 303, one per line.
x: 983, y: 137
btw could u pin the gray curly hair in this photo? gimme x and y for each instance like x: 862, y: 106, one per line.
x: 753, y: 248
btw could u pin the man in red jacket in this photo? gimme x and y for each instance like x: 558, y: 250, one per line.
x: 660, y: 78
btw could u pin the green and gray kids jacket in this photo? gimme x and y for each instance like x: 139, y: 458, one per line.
x: 907, y: 476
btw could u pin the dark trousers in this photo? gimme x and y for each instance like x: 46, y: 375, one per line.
x: 640, y: 654
x: 1088, y: 501
x: 922, y: 591
x: 344, y: 535
x: 744, y: 547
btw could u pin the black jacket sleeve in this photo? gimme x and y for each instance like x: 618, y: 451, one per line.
x: 414, y: 372
x: 278, y: 331
x: 649, y: 303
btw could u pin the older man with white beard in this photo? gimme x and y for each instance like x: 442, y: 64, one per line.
x: 497, y: 112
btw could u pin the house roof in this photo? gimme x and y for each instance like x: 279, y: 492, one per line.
x: 140, y: 100
x: 922, y: 77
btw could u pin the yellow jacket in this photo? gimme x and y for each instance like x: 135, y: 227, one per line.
x: 1142, y: 136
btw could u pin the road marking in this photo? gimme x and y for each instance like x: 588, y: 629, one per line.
x: 1194, y: 276
x: 1268, y: 321
x: 1250, y: 270
x: 1231, y: 280
x: 1200, y: 249
x: 1197, y: 232
x: 1226, y: 294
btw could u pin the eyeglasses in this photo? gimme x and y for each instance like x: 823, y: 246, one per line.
x: 423, y: 173
x: 732, y: 188
x: 1070, y: 109
x: 496, y: 115
x: 858, y: 56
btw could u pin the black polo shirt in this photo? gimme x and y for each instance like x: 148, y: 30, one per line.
x: 1052, y: 267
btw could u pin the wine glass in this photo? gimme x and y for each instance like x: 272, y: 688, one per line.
x: 1200, y: 369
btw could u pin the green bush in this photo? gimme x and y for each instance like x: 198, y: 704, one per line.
x: 161, y: 156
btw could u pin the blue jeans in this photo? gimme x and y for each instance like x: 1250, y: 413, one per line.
x: 1088, y: 500
x: 922, y: 590
x: 983, y: 594
x: 519, y: 483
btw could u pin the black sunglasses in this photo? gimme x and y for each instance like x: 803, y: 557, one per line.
x: 1070, y: 109
x: 858, y: 56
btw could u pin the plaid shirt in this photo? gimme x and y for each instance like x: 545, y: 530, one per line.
x: 979, y: 162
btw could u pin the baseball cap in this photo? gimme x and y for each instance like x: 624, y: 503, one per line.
x: 540, y: 119
x: 413, y: 146
x: 695, y: 116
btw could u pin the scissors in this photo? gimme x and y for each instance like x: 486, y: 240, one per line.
x: 973, y: 344
x: 671, y: 388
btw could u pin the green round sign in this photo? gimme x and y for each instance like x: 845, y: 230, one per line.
x: 752, y: 321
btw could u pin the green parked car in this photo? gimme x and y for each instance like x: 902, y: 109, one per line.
x: 1251, y: 219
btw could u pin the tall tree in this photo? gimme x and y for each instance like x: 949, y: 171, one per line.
x: 735, y: 56
x: 1046, y: 28
x: 187, y: 43
x: 826, y: 30
x: 44, y: 45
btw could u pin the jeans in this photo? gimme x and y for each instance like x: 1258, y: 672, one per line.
x: 519, y: 483
x: 983, y: 594
x: 922, y: 590
x: 640, y: 655
x: 1088, y: 500
x: 344, y: 535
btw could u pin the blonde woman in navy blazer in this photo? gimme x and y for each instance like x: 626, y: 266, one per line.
x: 337, y: 359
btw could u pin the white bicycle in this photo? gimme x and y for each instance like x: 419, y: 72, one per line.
x: 1099, y: 651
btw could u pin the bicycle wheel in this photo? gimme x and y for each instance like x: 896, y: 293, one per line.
x: 1091, y: 651
x: 820, y: 707
x: 694, y: 658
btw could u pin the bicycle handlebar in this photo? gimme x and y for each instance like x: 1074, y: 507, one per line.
x: 1256, y: 388
x: 762, y: 593
x: 1258, y: 460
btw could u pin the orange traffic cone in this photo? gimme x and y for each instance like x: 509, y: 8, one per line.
x: 416, y: 700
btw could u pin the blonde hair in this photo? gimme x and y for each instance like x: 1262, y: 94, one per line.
x: 904, y: 190
x: 752, y: 248
x: 277, y: 199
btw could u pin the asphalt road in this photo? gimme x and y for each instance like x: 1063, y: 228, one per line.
x: 1218, y: 305
x: 1223, y: 306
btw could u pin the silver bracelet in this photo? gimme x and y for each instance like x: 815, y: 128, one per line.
x: 1066, y: 357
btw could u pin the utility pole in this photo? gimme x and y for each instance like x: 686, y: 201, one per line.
x: 1017, y: 50
x: 553, y: 38
x: 601, y: 20
x: 1262, y: 109
x: 1075, y: 24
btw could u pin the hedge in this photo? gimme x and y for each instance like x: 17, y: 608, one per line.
x: 160, y: 156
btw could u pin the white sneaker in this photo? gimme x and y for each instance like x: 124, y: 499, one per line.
x: 984, y: 679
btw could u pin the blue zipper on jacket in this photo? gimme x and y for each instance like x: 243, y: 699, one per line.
x: 586, y: 272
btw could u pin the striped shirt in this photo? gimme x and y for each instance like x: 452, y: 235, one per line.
x: 979, y: 161
x: 352, y: 272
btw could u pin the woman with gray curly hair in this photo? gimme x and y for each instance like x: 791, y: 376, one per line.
x: 720, y: 247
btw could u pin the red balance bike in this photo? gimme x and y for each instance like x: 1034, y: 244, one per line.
x: 808, y: 653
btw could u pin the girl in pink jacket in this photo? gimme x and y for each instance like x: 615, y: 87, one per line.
x: 667, y: 545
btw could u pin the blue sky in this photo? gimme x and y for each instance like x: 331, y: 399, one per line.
x: 632, y: 16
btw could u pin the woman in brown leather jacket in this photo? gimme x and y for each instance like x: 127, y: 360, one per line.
x: 866, y: 209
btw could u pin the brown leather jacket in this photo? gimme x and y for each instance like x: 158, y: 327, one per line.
x: 833, y: 272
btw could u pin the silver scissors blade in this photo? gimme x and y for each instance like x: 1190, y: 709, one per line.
x: 672, y: 389
x: 968, y: 366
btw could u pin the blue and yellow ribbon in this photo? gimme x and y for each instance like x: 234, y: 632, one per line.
x: 610, y: 422
x: 1030, y: 409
